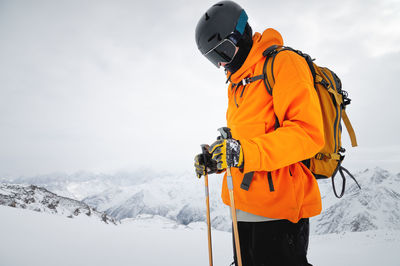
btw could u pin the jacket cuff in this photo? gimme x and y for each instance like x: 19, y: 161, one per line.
x: 251, y: 156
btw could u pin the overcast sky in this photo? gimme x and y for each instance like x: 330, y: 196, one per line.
x: 105, y: 86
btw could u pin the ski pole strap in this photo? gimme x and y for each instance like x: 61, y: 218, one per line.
x: 248, y: 177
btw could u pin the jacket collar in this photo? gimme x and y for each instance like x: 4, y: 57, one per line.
x: 260, y: 43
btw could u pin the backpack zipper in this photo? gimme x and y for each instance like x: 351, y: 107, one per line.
x: 341, y: 107
x: 336, y: 107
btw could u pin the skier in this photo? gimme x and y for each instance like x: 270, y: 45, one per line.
x: 275, y: 193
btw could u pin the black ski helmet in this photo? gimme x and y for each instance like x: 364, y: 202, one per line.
x: 224, y: 19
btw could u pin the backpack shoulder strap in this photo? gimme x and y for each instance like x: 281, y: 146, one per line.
x: 268, y: 69
x: 270, y: 54
x: 269, y: 81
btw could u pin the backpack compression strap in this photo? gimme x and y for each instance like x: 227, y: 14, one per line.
x: 350, y: 129
x: 342, y: 100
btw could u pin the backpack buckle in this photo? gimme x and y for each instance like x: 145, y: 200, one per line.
x: 246, y: 81
x: 325, y: 83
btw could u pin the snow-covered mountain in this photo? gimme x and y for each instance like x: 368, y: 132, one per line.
x: 39, y: 199
x: 143, y: 193
x: 83, y: 184
x: 375, y: 206
x: 180, y: 199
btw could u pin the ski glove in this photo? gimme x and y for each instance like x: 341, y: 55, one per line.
x: 227, y: 153
x: 200, y: 166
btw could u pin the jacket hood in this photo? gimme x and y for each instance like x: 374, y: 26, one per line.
x: 260, y: 42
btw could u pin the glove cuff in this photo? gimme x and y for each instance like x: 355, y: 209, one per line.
x: 234, y: 152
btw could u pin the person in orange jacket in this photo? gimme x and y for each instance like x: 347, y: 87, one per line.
x: 273, y: 210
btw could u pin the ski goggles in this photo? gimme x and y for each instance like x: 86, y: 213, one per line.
x: 224, y: 52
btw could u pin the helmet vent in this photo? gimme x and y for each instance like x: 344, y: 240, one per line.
x: 218, y: 5
x: 207, y: 17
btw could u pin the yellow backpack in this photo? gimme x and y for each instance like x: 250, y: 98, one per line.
x: 328, y: 162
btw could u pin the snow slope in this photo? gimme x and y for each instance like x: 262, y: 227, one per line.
x: 48, y: 240
x: 41, y: 239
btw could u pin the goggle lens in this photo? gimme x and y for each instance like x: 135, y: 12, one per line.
x: 222, y: 53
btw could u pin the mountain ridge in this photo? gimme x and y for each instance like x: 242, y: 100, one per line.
x: 180, y: 198
x: 39, y: 199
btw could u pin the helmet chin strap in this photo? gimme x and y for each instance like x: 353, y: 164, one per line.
x: 244, y: 45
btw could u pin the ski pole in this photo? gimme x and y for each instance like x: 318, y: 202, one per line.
x: 226, y: 134
x: 204, y: 149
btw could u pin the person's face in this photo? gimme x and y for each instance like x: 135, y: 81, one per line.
x: 223, y: 64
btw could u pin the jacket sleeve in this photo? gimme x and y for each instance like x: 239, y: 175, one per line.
x: 296, y: 104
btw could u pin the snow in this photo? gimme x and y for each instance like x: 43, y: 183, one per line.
x: 32, y: 238
x: 356, y: 248
x: 163, y: 222
x: 46, y: 239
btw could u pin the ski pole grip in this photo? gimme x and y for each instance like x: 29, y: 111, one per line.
x: 204, y: 148
x: 225, y: 132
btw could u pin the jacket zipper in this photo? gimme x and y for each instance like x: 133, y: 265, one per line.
x: 234, y: 89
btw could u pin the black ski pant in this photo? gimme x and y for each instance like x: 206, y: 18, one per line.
x: 273, y: 243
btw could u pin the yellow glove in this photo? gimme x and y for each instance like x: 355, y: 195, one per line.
x: 227, y: 153
x: 201, y: 166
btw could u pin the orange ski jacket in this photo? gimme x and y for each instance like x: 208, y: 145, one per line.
x: 251, y: 118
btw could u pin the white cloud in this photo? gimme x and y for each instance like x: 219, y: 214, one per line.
x: 107, y: 85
